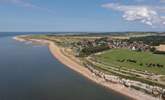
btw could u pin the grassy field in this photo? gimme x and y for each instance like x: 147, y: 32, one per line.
x: 112, y: 56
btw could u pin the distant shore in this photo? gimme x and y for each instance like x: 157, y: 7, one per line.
x: 58, y: 54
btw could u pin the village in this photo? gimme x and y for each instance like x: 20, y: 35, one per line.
x: 109, y: 43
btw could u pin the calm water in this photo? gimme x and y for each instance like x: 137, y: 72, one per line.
x: 29, y: 72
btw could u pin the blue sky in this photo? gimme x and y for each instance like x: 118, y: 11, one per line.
x: 82, y: 15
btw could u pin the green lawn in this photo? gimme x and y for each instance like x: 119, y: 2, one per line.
x: 112, y: 56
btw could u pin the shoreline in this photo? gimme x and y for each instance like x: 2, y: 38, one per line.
x: 57, y: 53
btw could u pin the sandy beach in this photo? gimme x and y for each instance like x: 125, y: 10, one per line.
x: 56, y: 52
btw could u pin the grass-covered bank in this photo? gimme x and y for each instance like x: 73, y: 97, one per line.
x: 144, y: 61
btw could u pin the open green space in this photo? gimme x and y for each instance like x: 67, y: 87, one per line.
x: 142, y: 61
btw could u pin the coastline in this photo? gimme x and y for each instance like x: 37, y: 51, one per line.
x: 57, y: 53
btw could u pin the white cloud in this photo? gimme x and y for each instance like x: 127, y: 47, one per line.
x: 163, y: 1
x: 25, y: 3
x: 139, y: 0
x: 144, y: 14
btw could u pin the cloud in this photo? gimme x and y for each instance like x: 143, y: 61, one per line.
x: 139, y: 0
x: 26, y: 4
x: 140, y: 13
x: 162, y: 1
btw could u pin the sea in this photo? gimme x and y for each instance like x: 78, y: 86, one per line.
x: 30, y: 72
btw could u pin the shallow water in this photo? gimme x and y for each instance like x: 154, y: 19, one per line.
x: 29, y: 72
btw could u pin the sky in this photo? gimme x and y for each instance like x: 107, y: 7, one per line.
x: 82, y: 15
